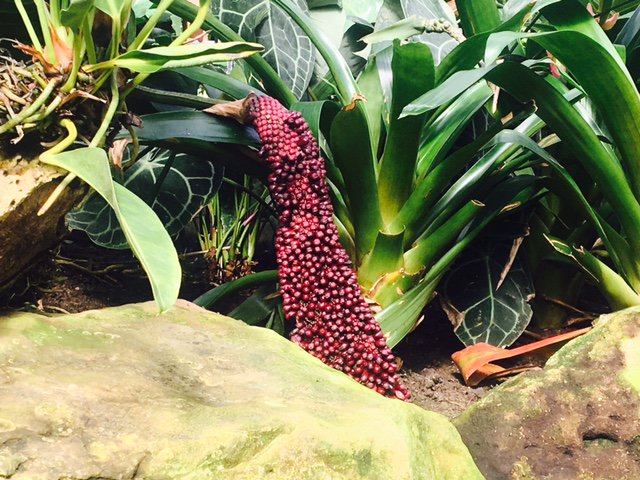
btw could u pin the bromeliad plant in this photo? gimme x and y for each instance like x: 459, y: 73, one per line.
x: 595, y: 113
x: 87, y: 57
x: 405, y: 201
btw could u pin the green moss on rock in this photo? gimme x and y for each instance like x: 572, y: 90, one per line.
x: 126, y: 393
x: 579, y: 417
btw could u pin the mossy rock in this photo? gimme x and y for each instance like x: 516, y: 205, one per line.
x: 125, y: 393
x: 578, y: 418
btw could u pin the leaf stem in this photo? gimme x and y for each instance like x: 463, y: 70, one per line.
x: 44, y: 26
x: 35, y: 41
x: 150, y: 25
x: 100, y: 135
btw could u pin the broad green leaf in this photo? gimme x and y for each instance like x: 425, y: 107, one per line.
x: 352, y: 45
x: 342, y: 77
x: 351, y: 148
x: 478, y: 16
x: 143, y: 229
x: 287, y: 49
x: 176, y: 187
x: 223, y: 82
x: 413, y: 74
x: 194, y: 125
x: 486, y: 295
x: 154, y: 59
x: 439, y: 43
x: 428, y: 9
x: 74, y: 14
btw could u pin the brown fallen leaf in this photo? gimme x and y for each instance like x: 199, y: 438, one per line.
x: 474, y: 362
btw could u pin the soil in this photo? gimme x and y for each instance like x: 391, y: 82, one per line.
x: 79, y: 276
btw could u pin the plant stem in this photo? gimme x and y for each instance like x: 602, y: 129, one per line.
x: 150, y: 25
x: 100, y: 135
x: 78, y: 53
x: 88, y: 39
x: 44, y: 26
x: 48, y: 111
x: 31, y: 109
x: 201, y: 16
x: 35, y: 41
x: 203, y: 11
x: 269, y: 77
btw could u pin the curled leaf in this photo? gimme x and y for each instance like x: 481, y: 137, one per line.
x: 474, y: 362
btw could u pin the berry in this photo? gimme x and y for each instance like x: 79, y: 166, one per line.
x: 318, y: 284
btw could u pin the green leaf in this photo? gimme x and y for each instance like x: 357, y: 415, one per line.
x: 351, y: 148
x: 401, y: 30
x: 617, y: 292
x: 114, y: 8
x: 143, y: 229
x: 211, y: 78
x: 445, y: 129
x: 319, y: 115
x: 155, y: 59
x: 258, y: 308
x: 287, y: 49
x: 401, y: 317
x: 365, y: 9
x: 428, y: 9
x: 194, y: 125
x: 338, y: 66
x: 73, y: 15
x: 571, y: 127
x: 385, y: 257
x: 486, y: 295
x: 369, y: 83
x: 175, y: 188
x: 446, y: 91
x: 210, y: 298
x: 268, y: 76
x: 478, y: 16
x: 413, y: 74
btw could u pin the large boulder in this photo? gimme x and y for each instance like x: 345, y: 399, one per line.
x: 25, y: 184
x: 578, y: 418
x: 126, y: 393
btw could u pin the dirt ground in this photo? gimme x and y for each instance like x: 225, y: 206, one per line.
x: 79, y: 276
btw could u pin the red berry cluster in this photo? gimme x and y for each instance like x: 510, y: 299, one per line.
x: 319, y: 287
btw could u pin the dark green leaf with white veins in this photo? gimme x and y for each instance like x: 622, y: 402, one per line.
x: 189, y: 183
x: 287, y: 49
x: 482, y: 305
x: 439, y: 43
